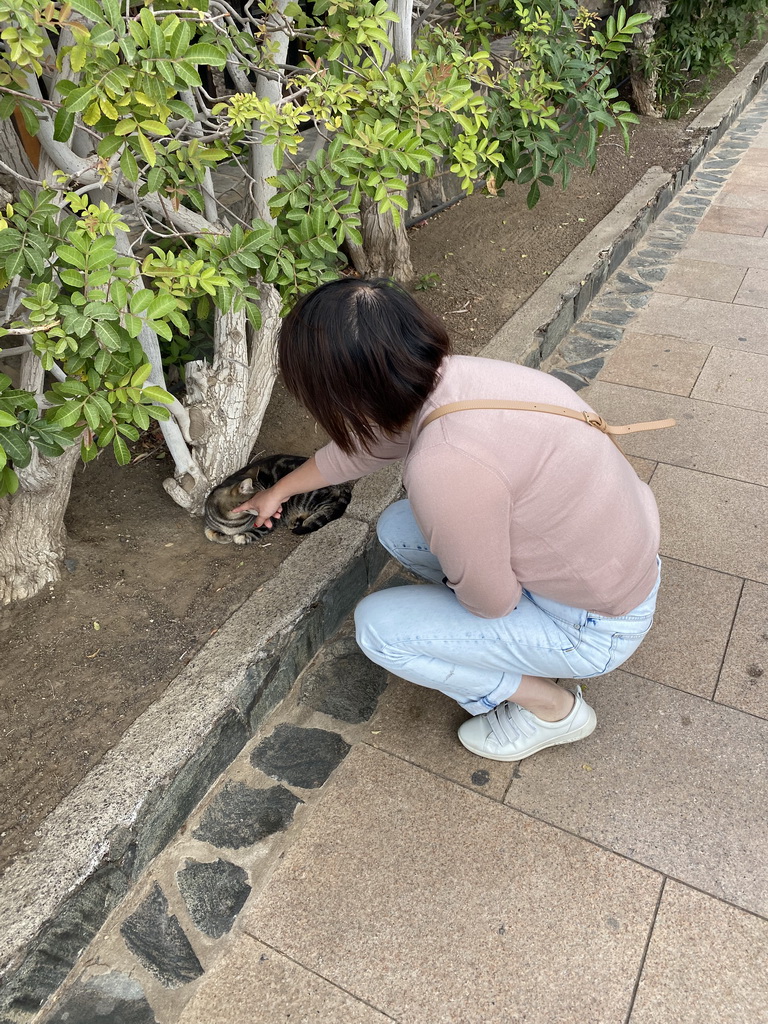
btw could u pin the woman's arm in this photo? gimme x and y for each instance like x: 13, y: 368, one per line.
x: 267, y: 505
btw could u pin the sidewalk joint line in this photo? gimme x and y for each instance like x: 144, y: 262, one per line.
x: 728, y: 641
x: 644, y: 955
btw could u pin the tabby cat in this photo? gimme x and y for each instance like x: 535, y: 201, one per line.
x: 303, y: 513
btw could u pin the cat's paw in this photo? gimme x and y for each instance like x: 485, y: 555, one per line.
x: 217, y: 538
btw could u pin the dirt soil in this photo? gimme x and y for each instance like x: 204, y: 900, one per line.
x: 143, y: 589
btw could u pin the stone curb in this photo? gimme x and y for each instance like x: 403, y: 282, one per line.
x: 102, y: 836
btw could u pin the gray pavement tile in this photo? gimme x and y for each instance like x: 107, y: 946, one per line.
x: 439, y: 906
x: 737, y: 379
x: 744, y: 678
x: 669, y: 779
x: 735, y: 222
x: 693, y: 620
x: 733, y: 250
x: 742, y: 197
x: 703, y: 320
x: 656, y: 362
x: 707, y: 436
x: 252, y: 984
x: 702, y: 279
x: 706, y: 964
x: 713, y: 521
x: 420, y: 725
x: 643, y: 467
x: 754, y: 289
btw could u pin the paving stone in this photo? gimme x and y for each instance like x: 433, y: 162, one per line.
x: 256, y: 984
x: 157, y: 940
x: 754, y: 289
x: 713, y: 521
x: 112, y: 998
x: 706, y: 963
x: 406, y: 877
x: 736, y: 379
x: 300, y: 757
x: 589, y: 369
x: 707, y: 437
x: 653, y: 274
x: 735, y: 250
x: 578, y: 348
x: 576, y: 383
x: 214, y: 893
x: 736, y: 221
x: 744, y: 677
x: 656, y: 362
x: 625, y: 283
x: 599, y: 331
x: 613, y: 316
x: 643, y: 467
x: 741, y: 197
x: 665, y: 777
x: 716, y: 323
x: 241, y: 816
x: 343, y: 683
x: 420, y: 725
x: 702, y: 279
x: 694, y: 615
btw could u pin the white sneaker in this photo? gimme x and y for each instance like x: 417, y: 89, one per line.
x: 510, y: 733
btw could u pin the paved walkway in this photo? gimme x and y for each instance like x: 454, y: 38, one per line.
x: 624, y: 877
x: 620, y: 880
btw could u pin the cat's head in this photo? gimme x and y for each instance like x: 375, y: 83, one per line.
x: 221, y: 502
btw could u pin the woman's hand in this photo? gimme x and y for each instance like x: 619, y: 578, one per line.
x: 264, y: 505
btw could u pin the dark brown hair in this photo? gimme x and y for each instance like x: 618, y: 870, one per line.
x: 361, y: 354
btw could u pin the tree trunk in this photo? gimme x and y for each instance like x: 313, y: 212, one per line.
x: 642, y: 77
x: 217, y: 403
x: 12, y: 154
x: 32, y: 533
x: 386, y: 250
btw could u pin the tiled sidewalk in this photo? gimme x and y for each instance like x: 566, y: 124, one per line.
x: 620, y: 880
x: 624, y: 878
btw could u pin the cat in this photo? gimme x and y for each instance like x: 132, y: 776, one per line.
x: 303, y: 513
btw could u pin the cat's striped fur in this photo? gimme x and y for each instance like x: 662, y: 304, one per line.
x: 303, y: 513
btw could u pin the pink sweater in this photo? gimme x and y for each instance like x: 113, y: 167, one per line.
x: 511, y: 499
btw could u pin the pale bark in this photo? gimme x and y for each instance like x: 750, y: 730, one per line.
x: 16, y: 160
x: 217, y: 402
x: 263, y: 155
x: 32, y: 533
x: 644, y: 79
x: 400, y: 31
x: 386, y: 250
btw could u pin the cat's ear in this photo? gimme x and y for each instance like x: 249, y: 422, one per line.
x: 246, y: 486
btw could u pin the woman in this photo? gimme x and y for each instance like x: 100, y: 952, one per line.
x: 537, y: 537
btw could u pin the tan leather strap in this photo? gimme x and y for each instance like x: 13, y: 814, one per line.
x: 556, y: 410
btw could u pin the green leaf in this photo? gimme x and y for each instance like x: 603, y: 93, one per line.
x: 7, y: 420
x: 67, y: 415
x: 147, y: 149
x: 161, y: 306
x: 156, y: 394
x: 109, y: 335
x: 108, y: 146
x: 63, y: 124
x: 73, y: 256
x: 16, y: 447
x: 121, y: 450
x: 141, y: 300
x: 89, y: 8
x: 141, y: 375
x: 9, y: 482
x: 128, y: 165
x: 204, y: 53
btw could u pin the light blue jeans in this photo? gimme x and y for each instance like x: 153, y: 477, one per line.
x: 422, y: 633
